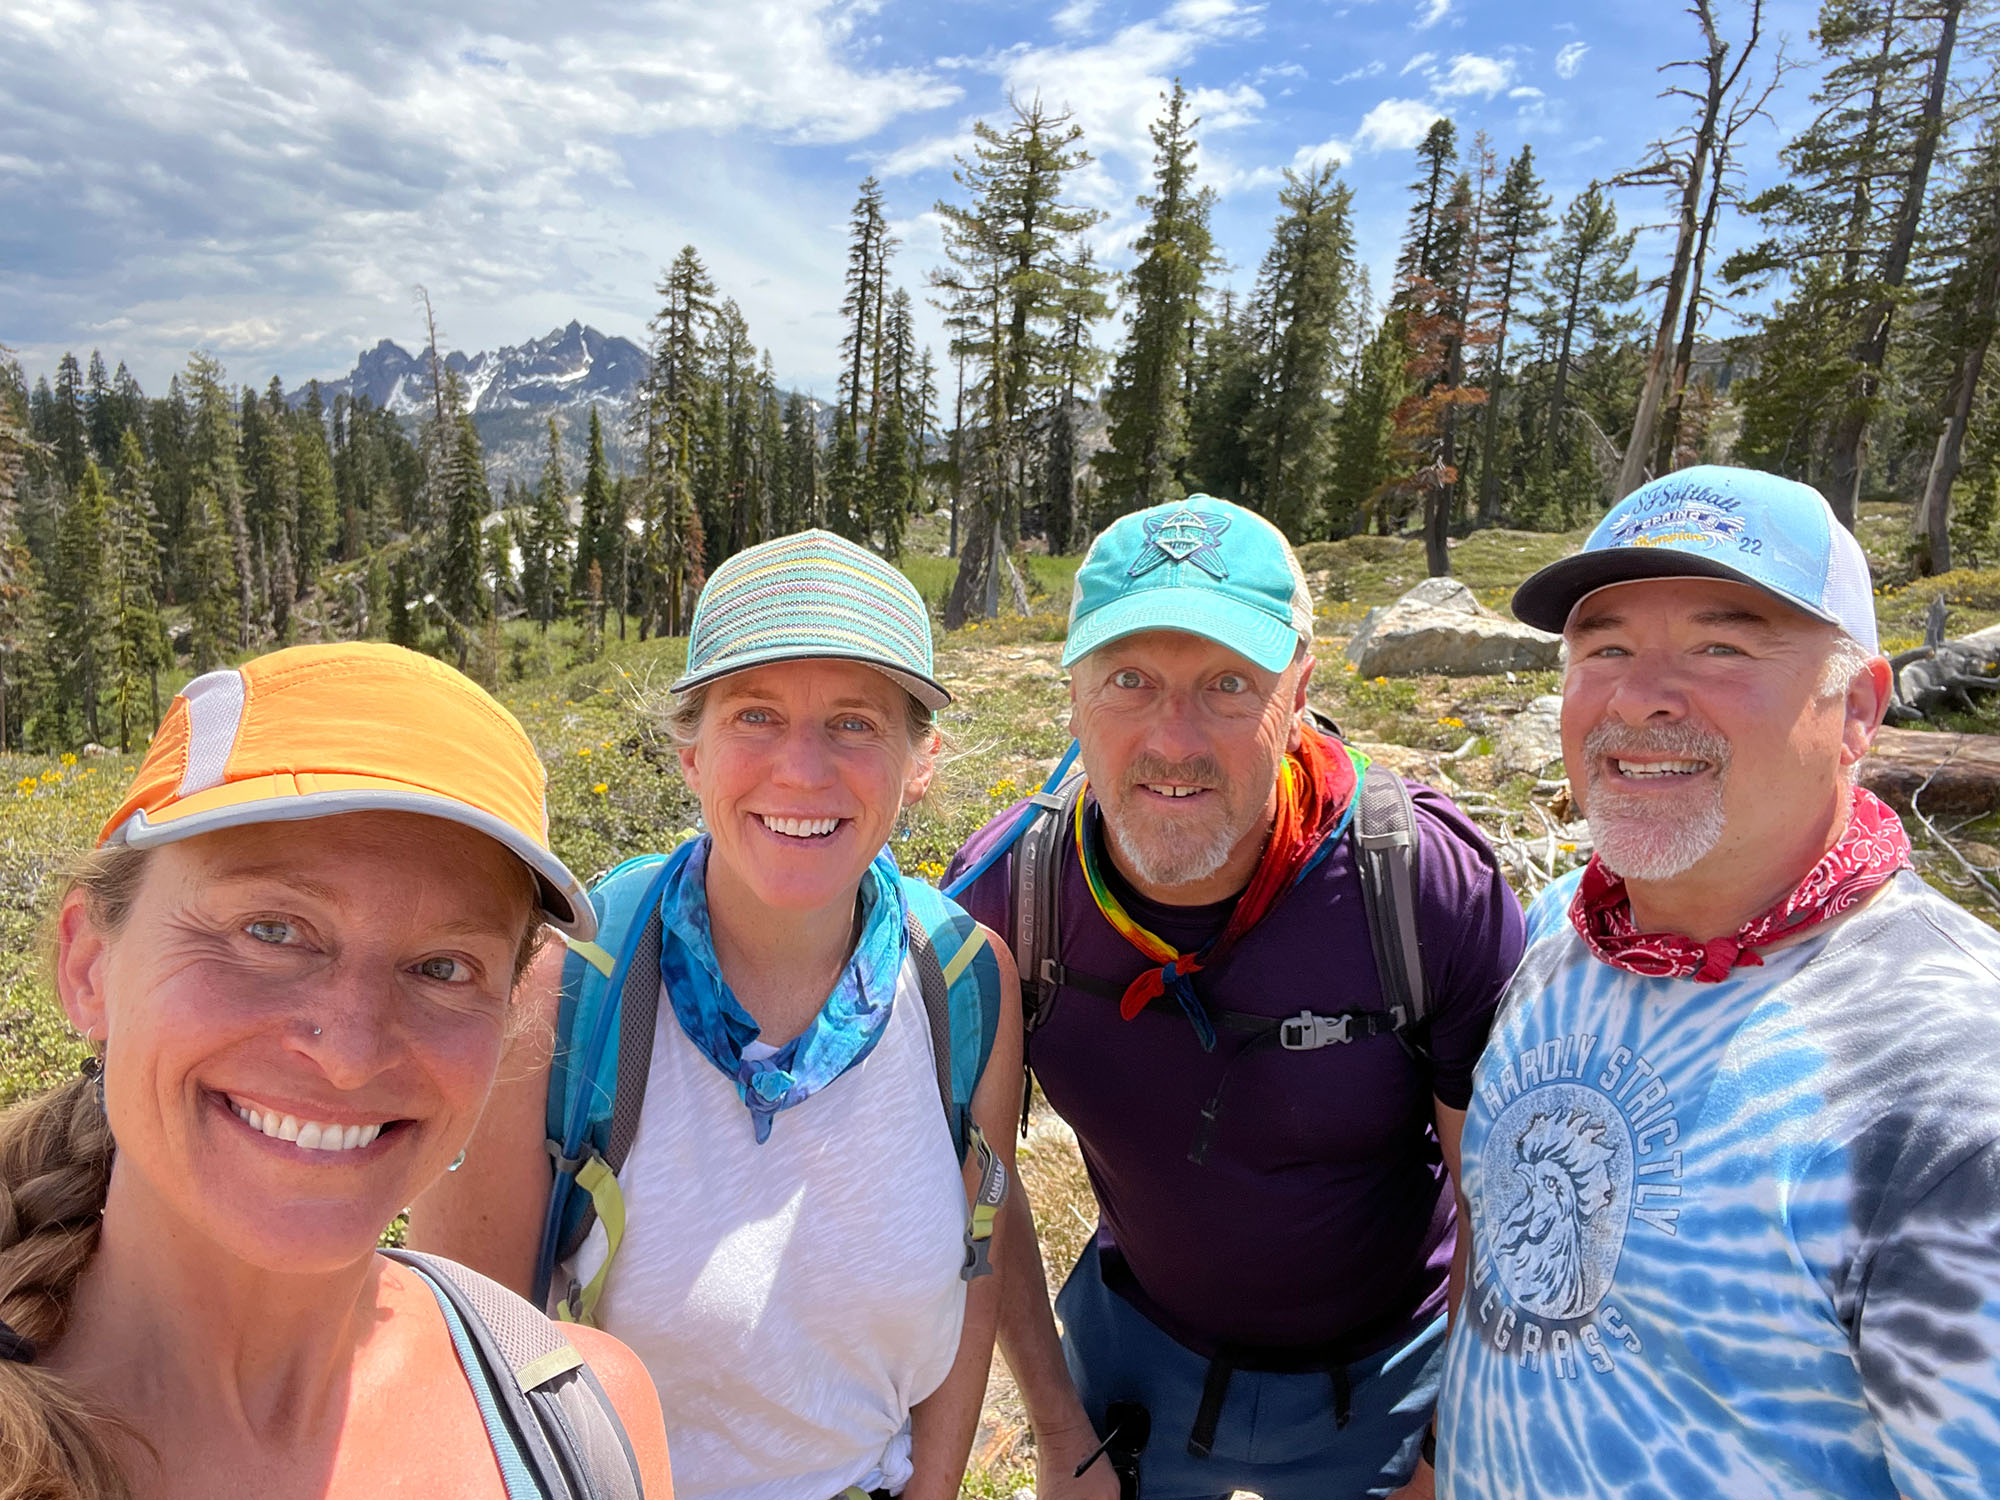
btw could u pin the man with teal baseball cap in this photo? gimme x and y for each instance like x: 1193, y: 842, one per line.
x: 1732, y: 1163
x: 1258, y: 973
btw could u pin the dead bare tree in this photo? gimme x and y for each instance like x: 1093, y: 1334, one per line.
x: 1686, y: 161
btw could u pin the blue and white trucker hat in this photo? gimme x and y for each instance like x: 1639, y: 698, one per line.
x: 1199, y: 565
x: 1716, y: 522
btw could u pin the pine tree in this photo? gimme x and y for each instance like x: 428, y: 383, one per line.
x: 1225, y: 390
x: 1009, y: 262
x: 318, y: 523
x: 1965, y: 296
x: 1586, y: 283
x: 101, y: 416
x: 545, y: 547
x: 805, y: 498
x: 405, y: 624
x: 65, y: 428
x: 669, y: 420
x: 19, y: 602
x: 213, y: 465
x: 861, y: 309
x: 460, y: 563
x: 1302, y: 294
x: 1520, y: 217
x: 140, y: 648
x: 81, y: 639
x: 594, y: 537
x: 1145, y: 404
x: 1847, y: 216
x: 1363, y: 461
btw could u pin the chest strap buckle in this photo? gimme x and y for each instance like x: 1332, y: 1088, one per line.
x: 1306, y: 1032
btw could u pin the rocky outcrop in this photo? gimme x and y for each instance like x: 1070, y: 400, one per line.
x: 1963, y: 771
x: 1532, y: 740
x: 1439, y: 626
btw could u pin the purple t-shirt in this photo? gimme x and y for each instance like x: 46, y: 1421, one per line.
x: 1321, y: 1215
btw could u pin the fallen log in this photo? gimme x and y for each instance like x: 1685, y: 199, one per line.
x: 1944, y: 674
x: 1963, y: 771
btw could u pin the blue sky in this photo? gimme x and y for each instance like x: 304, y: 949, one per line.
x: 270, y: 181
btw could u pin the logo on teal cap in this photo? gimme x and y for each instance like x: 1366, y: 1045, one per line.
x: 1184, y: 535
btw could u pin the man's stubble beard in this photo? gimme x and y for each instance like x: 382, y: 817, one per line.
x: 1632, y: 835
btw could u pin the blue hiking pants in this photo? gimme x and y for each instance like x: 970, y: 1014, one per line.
x: 1276, y: 1435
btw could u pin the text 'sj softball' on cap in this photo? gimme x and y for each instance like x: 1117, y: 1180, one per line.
x: 806, y: 597
x: 1716, y: 522
x: 1199, y: 565
x: 315, y: 731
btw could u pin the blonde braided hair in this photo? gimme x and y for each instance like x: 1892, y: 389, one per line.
x: 55, y: 1167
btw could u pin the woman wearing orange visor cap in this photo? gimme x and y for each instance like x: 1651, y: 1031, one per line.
x: 294, y: 951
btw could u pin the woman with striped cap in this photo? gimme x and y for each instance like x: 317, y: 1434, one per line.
x: 793, y: 1261
x: 293, y: 955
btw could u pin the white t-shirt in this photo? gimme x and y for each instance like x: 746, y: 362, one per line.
x: 792, y: 1301
x: 1737, y: 1239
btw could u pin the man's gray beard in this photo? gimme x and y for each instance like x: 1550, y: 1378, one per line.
x: 1171, y: 854
x: 1175, y: 857
x: 1636, y: 842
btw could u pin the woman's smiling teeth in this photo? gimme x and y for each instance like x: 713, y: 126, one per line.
x: 799, y: 828
x: 307, y: 1135
x: 1660, y: 767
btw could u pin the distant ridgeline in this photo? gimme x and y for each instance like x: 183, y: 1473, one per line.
x: 510, y: 392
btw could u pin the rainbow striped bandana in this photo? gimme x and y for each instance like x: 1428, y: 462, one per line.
x: 1316, y: 787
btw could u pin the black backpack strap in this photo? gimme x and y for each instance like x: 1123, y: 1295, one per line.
x: 638, y: 1010
x: 1037, y: 898
x: 559, y: 1415
x: 1385, y: 847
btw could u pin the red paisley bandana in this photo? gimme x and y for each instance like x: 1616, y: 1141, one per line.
x: 1873, y: 849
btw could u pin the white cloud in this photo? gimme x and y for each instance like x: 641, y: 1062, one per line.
x: 1075, y: 17
x: 1279, y: 70
x: 1429, y: 13
x: 1421, y: 60
x: 1396, y: 124
x: 270, y: 179
x: 1471, y: 74
x: 1569, y: 59
x: 1309, y: 158
x: 1524, y: 92
x: 1374, y: 69
x: 1113, y: 90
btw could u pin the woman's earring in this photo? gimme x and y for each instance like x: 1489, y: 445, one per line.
x: 456, y: 1162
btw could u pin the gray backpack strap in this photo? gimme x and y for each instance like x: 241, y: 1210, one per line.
x: 565, y: 1424
x: 1385, y: 840
x: 937, y: 1009
x: 1037, y: 898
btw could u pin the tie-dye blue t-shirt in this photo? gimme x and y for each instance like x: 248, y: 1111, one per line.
x: 1737, y: 1239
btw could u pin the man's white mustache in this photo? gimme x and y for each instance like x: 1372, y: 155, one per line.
x: 1681, y: 740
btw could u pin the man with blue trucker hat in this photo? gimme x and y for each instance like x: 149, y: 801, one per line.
x: 1732, y: 1159
x: 1258, y: 972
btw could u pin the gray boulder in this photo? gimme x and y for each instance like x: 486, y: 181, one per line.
x: 1439, y: 626
x: 1532, y: 739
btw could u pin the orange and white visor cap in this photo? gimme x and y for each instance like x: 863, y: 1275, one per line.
x: 314, y: 731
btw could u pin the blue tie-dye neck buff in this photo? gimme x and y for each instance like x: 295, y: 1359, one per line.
x: 1739, y: 1238
x: 841, y: 1035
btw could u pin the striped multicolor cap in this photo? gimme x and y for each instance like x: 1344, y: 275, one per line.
x: 812, y: 596
x: 318, y: 730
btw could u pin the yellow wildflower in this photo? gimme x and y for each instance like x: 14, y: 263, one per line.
x: 601, y: 788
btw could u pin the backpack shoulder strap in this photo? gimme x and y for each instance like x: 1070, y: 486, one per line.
x: 597, y: 1081
x: 1037, y: 898
x: 1385, y: 839
x: 556, y: 1416
x: 960, y: 982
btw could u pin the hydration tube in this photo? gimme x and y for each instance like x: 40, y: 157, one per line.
x: 1028, y: 815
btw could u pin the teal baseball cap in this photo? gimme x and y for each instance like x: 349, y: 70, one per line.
x: 1713, y: 521
x: 1199, y: 565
